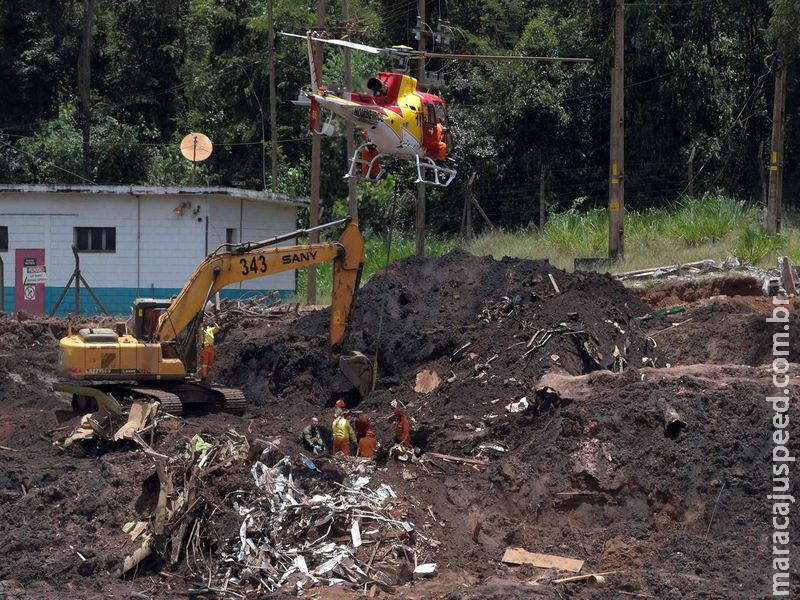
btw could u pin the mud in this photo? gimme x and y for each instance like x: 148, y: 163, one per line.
x: 590, y: 470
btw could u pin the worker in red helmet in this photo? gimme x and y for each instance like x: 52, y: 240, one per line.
x: 340, y: 403
x: 402, y: 429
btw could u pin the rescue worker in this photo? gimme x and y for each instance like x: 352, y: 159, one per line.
x: 343, y: 434
x: 378, y: 87
x: 367, y: 445
x: 312, y: 437
x: 402, y: 429
x: 207, y: 349
x: 363, y: 425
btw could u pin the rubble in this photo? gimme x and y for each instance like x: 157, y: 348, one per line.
x: 594, y: 469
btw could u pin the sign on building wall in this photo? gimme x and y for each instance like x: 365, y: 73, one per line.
x: 34, y: 275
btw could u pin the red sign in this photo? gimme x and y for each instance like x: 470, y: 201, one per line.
x: 28, y: 297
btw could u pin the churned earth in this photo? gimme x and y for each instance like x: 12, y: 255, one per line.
x: 644, y: 449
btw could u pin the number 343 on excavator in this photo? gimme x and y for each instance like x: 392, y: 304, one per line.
x: 156, y: 360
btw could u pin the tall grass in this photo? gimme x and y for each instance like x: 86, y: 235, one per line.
x: 709, y: 218
x: 710, y: 226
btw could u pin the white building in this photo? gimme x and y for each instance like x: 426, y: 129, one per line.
x: 133, y: 241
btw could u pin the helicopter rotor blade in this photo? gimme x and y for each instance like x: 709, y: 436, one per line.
x: 344, y: 43
x: 489, y: 57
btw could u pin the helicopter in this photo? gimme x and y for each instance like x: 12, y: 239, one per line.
x: 397, y: 118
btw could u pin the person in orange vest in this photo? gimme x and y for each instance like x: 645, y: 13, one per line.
x: 402, y: 429
x: 363, y: 425
x: 343, y: 434
x: 207, y: 349
x: 367, y: 445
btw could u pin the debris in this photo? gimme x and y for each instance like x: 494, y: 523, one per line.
x: 427, y: 381
x: 448, y: 457
x: 425, y: 569
x: 700, y: 266
x: 596, y: 578
x: 520, y: 556
x: 787, y: 276
x: 519, y: 406
x: 138, y: 555
x: 673, y: 422
x: 659, y: 314
x: 553, y: 282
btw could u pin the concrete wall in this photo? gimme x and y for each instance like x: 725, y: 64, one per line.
x: 156, y: 249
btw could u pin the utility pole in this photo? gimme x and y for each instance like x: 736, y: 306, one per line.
x: 316, y: 147
x: 616, y: 187
x: 84, y: 85
x: 349, y: 129
x: 421, y: 78
x: 541, y: 198
x: 775, y: 195
x: 273, y: 101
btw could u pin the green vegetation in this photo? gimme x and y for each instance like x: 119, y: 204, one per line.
x: 696, y: 85
x: 710, y: 226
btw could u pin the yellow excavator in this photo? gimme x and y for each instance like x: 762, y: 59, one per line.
x: 156, y: 361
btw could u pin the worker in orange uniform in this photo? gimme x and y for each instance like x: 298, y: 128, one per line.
x: 363, y: 425
x: 402, y: 429
x: 367, y: 445
x: 343, y: 434
x: 207, y: 349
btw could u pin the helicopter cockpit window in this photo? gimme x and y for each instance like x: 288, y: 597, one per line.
x: 440, y: 114
x: 430, y: 116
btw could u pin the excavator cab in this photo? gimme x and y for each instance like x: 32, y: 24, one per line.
x: 146, y: 312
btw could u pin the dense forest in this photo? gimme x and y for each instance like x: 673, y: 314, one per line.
x: 698, y: 83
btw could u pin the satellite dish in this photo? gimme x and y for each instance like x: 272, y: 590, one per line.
x: 196, y: 147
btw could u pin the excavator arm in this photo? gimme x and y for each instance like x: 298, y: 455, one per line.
x: 245, y: 262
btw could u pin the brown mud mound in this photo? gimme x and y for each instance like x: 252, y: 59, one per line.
x: 681, y: 291
x: 726, y: 332
x: 589, y: 470
x: 423, y: 310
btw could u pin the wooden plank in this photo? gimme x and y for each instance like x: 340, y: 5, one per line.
x: 469, y: 461
x: 594, y: 577
x: 520, y: 556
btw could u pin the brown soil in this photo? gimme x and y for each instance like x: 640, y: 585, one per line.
x: 589, y: 470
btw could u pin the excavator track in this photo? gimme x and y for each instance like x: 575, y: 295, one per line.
x: 174, y: 398
x: 170, y: 403
x: 234, y: 400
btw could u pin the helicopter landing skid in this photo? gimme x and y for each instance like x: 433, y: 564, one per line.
x: 441, y: 176
x: 371, y: 168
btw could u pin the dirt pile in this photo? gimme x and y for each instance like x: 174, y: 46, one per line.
x: 421, y: 311
x: 591, y: 469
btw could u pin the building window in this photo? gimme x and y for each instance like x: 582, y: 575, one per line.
x: 230, y: 236
x: 96, y: 239
x: 3, y: 238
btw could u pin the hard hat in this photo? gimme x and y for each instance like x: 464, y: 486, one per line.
x: 314, y: 420
x: 340, y: 403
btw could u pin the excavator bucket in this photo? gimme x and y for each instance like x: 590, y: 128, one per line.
x: 358, y: 370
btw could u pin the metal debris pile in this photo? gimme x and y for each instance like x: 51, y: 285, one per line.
x: 304, y: 528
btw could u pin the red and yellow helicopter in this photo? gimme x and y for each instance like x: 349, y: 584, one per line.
x: 397, y: 119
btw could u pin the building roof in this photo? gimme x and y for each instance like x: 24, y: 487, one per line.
x: 156, y: 190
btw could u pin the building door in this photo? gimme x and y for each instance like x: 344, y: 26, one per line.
x: 30, y: 276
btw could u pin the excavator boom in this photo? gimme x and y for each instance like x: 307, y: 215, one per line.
x: 165, y: 350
